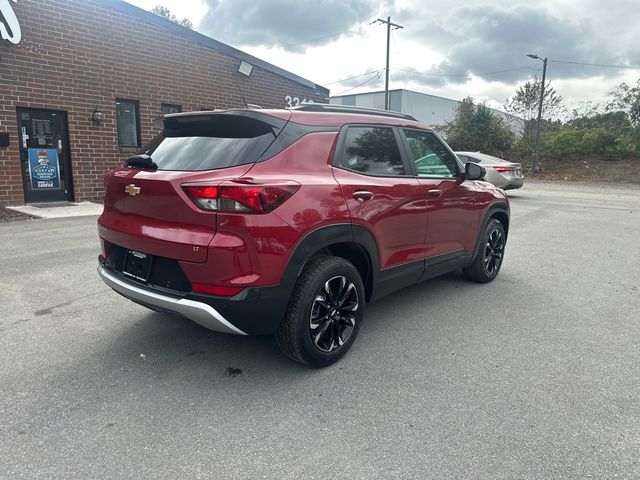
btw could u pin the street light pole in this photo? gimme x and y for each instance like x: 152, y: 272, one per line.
x: 536, y: 141
x: 386, y: 80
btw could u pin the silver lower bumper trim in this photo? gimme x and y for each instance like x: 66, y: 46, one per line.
x: 199, y: 312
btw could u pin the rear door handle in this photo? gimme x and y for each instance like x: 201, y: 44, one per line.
x: 362, y: 195
x: 436, y: 192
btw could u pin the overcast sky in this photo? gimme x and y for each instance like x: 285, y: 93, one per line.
x: 451, y: 48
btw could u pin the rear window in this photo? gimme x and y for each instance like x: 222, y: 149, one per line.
x: 210, y: 142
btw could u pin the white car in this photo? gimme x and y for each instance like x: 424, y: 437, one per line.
x: 502, y: 173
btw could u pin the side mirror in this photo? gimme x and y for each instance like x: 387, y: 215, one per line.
x: 473, y: 171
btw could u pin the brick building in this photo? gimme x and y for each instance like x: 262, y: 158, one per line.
x: 81, y: 82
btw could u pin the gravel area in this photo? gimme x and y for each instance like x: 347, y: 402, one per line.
x: 11, y: 216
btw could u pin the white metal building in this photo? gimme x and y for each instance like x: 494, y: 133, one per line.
x: 428, y: 109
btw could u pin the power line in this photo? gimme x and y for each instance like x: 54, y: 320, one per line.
x: 394, y: 42
x: 351, y: 78
x: 465, y: 74
x: 595, y: 64
x: 360, y: 85
x: 423, y: 74
x: 496, y: 72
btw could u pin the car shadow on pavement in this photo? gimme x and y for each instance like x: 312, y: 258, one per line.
x: 152, y: 353
x: 169, y: 342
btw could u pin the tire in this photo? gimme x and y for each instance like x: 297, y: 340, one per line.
x: 324, y: 314
x: 488, y: 260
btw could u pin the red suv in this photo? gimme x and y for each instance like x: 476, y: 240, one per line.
x: 287, y: 222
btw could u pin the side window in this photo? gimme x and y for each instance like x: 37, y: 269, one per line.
x: 431, y: 157
x: 167, y: 108
x: 372, y: 151
x: 128, y: 120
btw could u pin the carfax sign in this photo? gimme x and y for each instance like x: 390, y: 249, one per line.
x: 44, y: 170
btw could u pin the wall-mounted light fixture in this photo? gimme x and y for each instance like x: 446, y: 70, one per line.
x: 96, y: 116
x: 245, y: 68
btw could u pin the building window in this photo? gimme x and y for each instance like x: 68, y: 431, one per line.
x: 128, y: 117
x: 167, y: 108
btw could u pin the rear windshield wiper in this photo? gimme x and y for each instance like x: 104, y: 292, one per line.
x: 141, y: 161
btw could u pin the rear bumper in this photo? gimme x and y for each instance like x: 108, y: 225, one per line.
x: 199, y: 312
x: 513, y: 183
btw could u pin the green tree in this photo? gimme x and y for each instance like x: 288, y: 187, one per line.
x: 563, y: 144
x: 526, y: 101
x: 476, y: 127
x: 461, y: 132
x: 608, y: 136
x: 164, y: 12
x: 627, y: 99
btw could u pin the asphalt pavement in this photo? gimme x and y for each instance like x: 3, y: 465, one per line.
x: 533, y: 376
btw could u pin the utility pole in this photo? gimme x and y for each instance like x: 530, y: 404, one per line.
x: 536, y: 141
x: 386, y: 80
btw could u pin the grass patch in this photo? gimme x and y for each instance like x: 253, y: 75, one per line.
x: 591, y: 170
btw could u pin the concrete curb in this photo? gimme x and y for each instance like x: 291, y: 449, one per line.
x: 81, y: 209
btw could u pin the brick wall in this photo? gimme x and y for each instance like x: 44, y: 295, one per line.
x: 76, y: 54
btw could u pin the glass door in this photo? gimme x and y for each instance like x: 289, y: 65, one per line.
x: 45, y: 155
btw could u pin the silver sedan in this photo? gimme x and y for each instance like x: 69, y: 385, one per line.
x: 502, y: 173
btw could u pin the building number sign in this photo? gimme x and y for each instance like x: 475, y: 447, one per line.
x: 295, y: 101
x: 9, y: 28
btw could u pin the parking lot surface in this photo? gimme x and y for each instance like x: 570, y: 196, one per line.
x: 536, y: 375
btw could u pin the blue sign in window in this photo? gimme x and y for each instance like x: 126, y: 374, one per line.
x: 44, y: 169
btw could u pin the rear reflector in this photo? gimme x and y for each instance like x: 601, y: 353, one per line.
x: 504, y: 169
x: 241, y: 198
x: 216, y: 289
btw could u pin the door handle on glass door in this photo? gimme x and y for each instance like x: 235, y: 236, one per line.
x: 362, y: 195
x: 436, y: 192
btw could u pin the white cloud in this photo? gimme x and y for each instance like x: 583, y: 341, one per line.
x: 447, y: 38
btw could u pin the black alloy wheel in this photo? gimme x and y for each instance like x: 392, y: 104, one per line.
x: 325, y: 312
x: 490, y: 255
x: 493, y: 252
x: 333, y: 314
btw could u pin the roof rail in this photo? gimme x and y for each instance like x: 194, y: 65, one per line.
x: 326, y: 107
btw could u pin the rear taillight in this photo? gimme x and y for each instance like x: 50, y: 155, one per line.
x: 205, y: 197
x: 504, y: 169
x: 251, y: 198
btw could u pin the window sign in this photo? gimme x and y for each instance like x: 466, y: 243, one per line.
x: 9, y: 26
x: 44, y: 171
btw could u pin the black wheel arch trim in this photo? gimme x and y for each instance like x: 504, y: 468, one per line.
x: 324, y: 237
x: 491, y: 211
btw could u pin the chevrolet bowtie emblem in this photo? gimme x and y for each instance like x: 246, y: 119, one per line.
x: 132, y: 189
